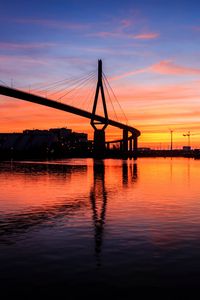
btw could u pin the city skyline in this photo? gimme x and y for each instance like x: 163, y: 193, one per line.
x: 149, y: 51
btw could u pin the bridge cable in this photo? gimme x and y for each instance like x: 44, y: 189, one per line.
x: 78, y: 90
x: 4, y: 83
x: 73, y: 84
x: 82, y: 81
x: 115, y: 97
x: 55, y: 84
x: 109, y: 97
x: 91, y: 91
x: 58, y: 82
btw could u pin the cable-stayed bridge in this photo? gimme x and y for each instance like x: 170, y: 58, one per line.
x: 128, y: 143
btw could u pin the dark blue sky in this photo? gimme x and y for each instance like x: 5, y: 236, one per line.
x: 100, y: 26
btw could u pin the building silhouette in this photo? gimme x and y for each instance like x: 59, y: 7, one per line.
x: 52, y: 143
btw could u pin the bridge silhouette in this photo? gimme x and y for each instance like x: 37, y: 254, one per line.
x: 129, y: 141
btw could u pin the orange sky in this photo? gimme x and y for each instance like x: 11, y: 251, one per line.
x: 153, y: 109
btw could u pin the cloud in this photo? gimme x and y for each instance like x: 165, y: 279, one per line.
x: 169, y: 68
x: 54, y: 23
x: 124, y: 35
x: 25, y: 46
x: 196, y: 28
x: 105, y: 34
x: 148, y: 96
x: 166, y: 115
x: 124, y: 29
x: 164, y: 67
x: 21, y: 59
x: 125, y: 23
x: 127, y: 74
x: 146, y: 36
x: 5, y: 104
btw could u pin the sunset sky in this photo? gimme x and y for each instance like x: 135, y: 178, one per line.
x: 150, y: 52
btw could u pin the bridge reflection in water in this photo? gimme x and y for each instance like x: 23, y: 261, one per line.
x: 99, y: 197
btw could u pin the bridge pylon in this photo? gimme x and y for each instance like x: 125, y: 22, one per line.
x: 99, y: 126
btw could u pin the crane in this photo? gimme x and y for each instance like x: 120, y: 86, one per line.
x: 188, y: 134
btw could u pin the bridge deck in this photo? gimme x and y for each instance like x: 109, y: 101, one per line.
x: 14, y: 93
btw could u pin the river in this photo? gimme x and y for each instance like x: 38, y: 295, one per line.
x: 79, y: 223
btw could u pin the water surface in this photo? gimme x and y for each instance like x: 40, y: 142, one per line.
x: 106, y: 224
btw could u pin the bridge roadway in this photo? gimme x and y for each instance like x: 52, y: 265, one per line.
x: 15, y: 93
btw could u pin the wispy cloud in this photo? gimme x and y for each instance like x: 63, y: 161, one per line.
x: 124, y: 28
x: 124, y: 35
x: 125, y: 23
x: 105, y: 34
x: 25, y: 46
x: 167, y: 93
x: 54, y: 23
x: 127, y: 74
x: 196, y: 28
x: 129, y: 28
x: 21, y: 59
x: 169, y: 68
x: 164, y: 67
x: 146, y: 36
x: 166, y: 115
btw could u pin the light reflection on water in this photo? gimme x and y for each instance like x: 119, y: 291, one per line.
x: 113, y: 223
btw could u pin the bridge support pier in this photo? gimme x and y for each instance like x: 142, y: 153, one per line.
x: 99, y: 143
x: 135, y: 147
x: 125, y: 144
x: 108, y: 146
x: 121, y: 146
x: 130, y: 146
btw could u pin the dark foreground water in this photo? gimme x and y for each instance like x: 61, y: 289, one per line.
x: 77, y: 226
